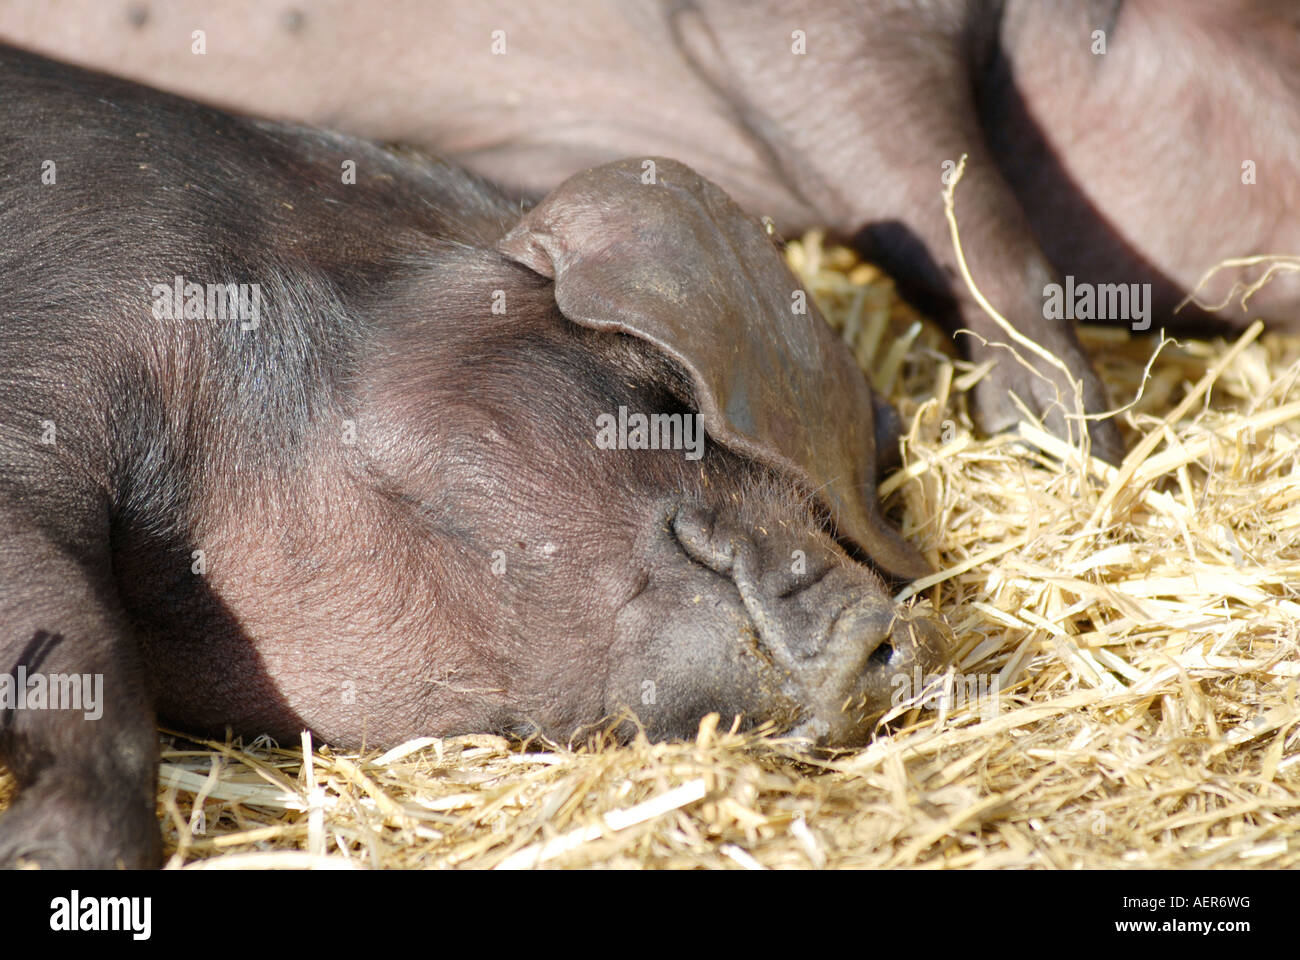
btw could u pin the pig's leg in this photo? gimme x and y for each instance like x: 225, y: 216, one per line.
x: 87, y: 783
x: 867, y: 147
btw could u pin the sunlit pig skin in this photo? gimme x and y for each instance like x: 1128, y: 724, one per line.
x: 1107, y: 140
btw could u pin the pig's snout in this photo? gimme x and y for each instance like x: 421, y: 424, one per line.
x: 831, y: 633
x: 844, y: 700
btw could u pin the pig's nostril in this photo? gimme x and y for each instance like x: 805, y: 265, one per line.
x: 882, y: 655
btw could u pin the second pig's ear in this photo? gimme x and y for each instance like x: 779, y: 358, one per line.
x: 649, y: 248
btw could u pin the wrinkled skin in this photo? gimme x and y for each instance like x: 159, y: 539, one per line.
x: 1122, y: 168
x: 379, y: 511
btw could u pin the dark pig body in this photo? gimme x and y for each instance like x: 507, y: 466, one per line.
x: 1115, y: 167
x: 373, y: 501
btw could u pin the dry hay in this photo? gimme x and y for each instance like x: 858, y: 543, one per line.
x: 1142, y: 624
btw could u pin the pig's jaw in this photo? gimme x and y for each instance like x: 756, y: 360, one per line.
x: 765, y: 618
x: 833, y: 634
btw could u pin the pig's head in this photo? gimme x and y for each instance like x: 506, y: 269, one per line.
x: 581, y: 574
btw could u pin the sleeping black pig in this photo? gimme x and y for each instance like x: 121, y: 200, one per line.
x: 298, y: 432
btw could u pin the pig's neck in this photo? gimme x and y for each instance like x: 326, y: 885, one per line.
x: 297, y: 604
x: 271, y: 587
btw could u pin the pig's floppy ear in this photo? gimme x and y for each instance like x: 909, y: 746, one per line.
x: 676, y: 262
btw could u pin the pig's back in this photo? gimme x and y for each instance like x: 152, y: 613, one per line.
x: 147, y: 173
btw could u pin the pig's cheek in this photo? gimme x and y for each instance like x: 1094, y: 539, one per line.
x: 690, y: 649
